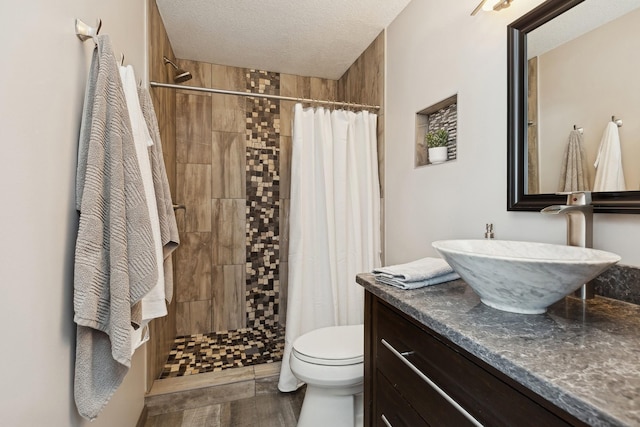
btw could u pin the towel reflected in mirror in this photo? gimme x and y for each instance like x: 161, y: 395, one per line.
x: 574, y: 175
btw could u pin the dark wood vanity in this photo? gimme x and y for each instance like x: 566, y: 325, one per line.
x: 437, y: 356
x: 416, y: 377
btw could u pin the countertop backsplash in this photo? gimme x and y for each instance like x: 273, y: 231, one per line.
x: 621, y: 282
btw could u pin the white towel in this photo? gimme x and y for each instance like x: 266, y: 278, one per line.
x: 416, y: 274
x: 574, y: 175
x: 609, y: 173
x: 153, y: 303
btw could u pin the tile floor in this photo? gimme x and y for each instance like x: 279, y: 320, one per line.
x: 273, y: 409
x: 216, y: 351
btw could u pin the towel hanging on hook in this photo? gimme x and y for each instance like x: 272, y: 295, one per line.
x: 574, y: 174
x: 608, y: 164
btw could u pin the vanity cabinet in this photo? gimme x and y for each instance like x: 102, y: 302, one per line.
x: 415, y: 377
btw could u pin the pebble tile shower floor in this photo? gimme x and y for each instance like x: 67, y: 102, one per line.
x: 215, y: 351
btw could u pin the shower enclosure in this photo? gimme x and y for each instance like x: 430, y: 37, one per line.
x: 232, y: 168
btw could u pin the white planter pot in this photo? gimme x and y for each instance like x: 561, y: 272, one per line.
x: 437, y: 155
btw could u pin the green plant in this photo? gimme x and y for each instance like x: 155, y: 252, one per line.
x: 438, y: 138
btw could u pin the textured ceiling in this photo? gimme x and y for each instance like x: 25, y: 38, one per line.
x: 319, y: 38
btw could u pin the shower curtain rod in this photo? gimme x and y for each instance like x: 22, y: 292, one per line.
x: 264, y: 95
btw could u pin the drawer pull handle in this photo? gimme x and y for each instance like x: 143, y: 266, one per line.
x: 386, y: 421
x: 431, y: 383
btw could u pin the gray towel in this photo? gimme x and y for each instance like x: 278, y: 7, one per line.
x: 419, y: 283
x: 168, y: 227
x: 416, y: 274
x: 115, y: 263
x: 574, y: 174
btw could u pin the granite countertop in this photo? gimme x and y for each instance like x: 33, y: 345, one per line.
x: 584, y: 357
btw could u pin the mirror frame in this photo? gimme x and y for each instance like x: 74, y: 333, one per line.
x: 517, y: 199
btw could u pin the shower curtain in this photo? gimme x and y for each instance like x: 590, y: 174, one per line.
x: 334, y: 221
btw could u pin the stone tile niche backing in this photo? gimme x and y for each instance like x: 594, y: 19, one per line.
x: 441, y: 115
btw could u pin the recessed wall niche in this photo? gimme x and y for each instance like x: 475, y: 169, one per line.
x: 441, y: 115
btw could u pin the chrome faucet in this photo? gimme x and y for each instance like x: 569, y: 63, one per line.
x: 579, y: 213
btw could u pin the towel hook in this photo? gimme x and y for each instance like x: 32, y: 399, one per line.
x: 84, y: 31
x: 618, y: 122
x: 581, y: 130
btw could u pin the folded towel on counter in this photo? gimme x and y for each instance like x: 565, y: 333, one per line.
x: 418, y: 284
x: 416, y: 274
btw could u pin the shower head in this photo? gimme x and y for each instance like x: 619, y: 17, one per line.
x: 181, y: 75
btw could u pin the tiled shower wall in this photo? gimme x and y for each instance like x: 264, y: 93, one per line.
x: 233, y: 158
x: 233, y: 155
x: 162, y: 330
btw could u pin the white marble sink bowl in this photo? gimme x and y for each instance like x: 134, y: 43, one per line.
x: 523, y: 277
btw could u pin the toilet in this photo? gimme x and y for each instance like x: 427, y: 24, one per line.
x: 331, y: 362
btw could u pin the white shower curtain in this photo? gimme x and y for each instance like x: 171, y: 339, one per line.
x: 334, y: 230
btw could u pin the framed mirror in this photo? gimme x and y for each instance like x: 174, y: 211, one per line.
x: 533, y: 156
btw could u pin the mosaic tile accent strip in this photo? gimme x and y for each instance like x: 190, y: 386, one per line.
x: 263, y: 201
x: 216, y: 351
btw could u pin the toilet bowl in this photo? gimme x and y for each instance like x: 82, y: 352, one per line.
x: 331, y: 362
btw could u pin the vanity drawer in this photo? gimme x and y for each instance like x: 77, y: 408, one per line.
x: 392, y: 409
x: 418, y: 363
x: 424, y: 399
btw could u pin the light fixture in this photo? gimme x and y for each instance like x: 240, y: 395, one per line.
x: 487, y: 5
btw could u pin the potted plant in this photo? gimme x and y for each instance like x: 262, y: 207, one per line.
x: 437, y: 142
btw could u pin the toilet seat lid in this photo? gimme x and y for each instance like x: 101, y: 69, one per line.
x: 335, y: 345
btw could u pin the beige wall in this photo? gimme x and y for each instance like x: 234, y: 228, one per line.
x: 584, y: 82
x: 434, y: 49
x: 42, y: 84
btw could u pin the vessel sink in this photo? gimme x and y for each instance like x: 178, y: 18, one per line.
x: 523, y: 277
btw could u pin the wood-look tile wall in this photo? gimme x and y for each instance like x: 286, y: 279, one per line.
x: 210, y: 169
x: 212, y: 135
x: 363, y: 83
x: 162, y: 330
